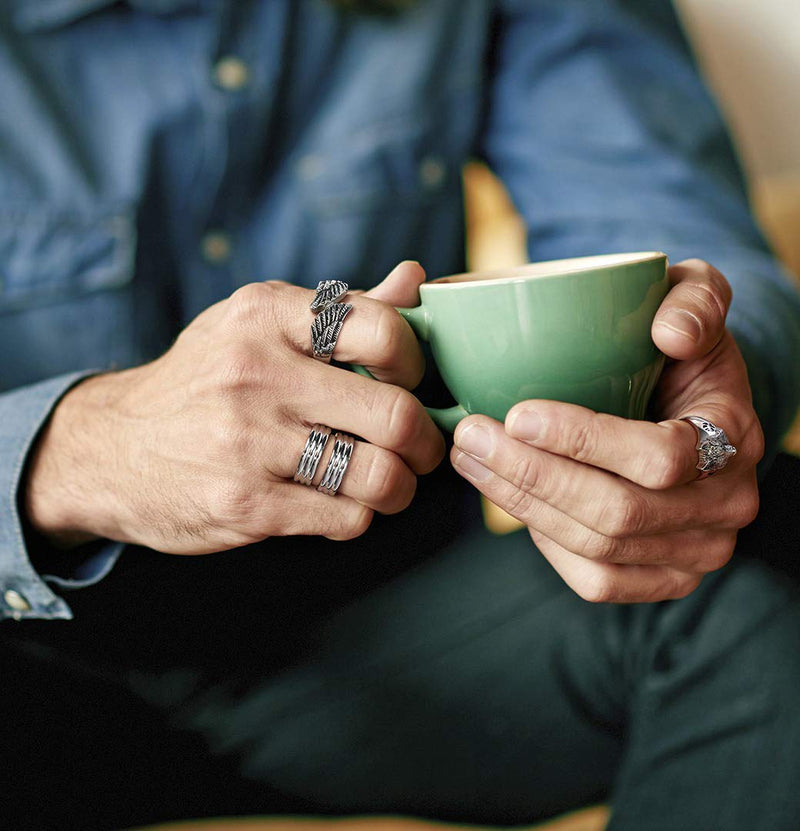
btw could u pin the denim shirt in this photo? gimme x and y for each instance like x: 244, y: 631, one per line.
x: 157, y: 154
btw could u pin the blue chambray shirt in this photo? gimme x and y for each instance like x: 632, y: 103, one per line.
x: 157, y: 154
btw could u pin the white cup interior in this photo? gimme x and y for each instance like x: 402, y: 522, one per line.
x: 549, y: 268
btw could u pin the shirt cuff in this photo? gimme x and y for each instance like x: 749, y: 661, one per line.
x: 23, y: 591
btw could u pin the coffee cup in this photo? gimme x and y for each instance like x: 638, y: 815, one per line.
x: 574, y: 330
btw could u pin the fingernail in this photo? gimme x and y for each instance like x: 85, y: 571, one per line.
x: 476, y: 440
x: 471, y: 468
x: 526, y: 425
x: 682, y: 322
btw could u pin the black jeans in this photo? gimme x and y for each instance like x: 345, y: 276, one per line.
x: 469, y: 685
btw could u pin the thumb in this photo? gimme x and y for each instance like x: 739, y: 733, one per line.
x: 691, y: 320
x: 401, y: 286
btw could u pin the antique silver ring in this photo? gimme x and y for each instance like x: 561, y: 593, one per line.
x: 312, y: 453
x: 325, y: 330
x: 328, y: 292
x: 714, y: 450
x: 337, y: 464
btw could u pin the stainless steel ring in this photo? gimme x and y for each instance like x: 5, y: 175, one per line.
x: 326, y: 328
x: 312, y: 453
x: 714, y: 450
x: 328, y: 292
x: 337, y: 465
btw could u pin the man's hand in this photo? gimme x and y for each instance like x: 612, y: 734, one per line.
x: 195, y: 452
x: 614, y: 504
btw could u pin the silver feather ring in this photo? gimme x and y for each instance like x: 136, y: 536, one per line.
x: 328, y: 292
x: 326, y: 328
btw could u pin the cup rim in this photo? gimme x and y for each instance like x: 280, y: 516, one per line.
x: 543, y: 270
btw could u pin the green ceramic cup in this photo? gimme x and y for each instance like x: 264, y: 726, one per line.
x: 573, y: 330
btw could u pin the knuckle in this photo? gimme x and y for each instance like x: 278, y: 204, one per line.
x: 682, y: 586
x: 602, y: 588
x: 519, y: 503
x: 230, y: 500
x: 711, y: 305
x: 667, y: 469
x: 240, y: 444
x: 404, y: 496
x: 693, y: 264
x: 600, y: 548
x: 386, y: 477
x: 388, y: 336
x: 237, y: 368
x: 402, y: 413
x: 251, y: 300
x: 621, y: 517
x: 722, y: 288
x: 711, y: 277
x: 747, y: 507
x: 719, y: 554
x: 245, y: 300
x: 580, y: 441
x: 352, y: 525
x: 754, y: 443
x: 231, y: 442
x: 525, y: 474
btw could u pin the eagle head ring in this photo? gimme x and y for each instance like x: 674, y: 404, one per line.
x: 714, y: 450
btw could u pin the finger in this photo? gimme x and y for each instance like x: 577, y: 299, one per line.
x: 381, y: 340
x: 696, y: 551
x: 597, y: 499
x: 716, y: 388
x: 691, y: 319
x: 375, y: 336
x: 401, y: 286
x: 373, y: 333
x: 384, y: 415
x: 655, y: 456
x: 374, y: 477
x: 611, y: 583
x: 307, y: 512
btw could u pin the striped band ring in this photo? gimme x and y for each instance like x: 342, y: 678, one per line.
x: 337, y: 465
x: 312, y: 453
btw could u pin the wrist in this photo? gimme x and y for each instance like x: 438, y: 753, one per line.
x: 62, y: 494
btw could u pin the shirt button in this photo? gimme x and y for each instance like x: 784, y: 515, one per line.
x: 231, y: 73
x: 216, y: 247
x: 432, y: 172
x: 14, y: 600
x: 310, y: 166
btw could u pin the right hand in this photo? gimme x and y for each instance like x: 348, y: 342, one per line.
x: 195, y: 452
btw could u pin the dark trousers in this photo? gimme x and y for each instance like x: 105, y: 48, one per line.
x: 468, y: 685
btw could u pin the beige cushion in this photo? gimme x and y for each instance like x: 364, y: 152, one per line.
x: 591, y: 819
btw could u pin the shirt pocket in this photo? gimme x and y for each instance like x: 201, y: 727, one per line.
x: 47, y: 258
x: 66, y: 293
x: 404, y: 160
x: 387, y: 192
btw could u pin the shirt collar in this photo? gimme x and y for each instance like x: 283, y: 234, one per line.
x: 42, y: 15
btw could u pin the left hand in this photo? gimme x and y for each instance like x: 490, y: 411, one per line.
x: 612, y: 503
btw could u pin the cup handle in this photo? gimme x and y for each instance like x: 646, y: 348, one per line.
x: 447, y: 418
x: 420, y: 321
